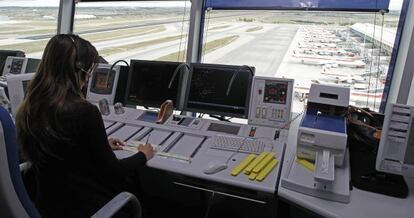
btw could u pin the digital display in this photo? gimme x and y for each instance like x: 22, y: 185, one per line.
x: 6, y: 53
x: 101, y: 81
x: 152, y: 82
x: 16, y: 66
x: 219, y: 89
x: 275, y: 92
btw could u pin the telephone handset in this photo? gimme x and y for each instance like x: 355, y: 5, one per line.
x: 166, y: 109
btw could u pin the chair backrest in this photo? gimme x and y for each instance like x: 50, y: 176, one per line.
x: 15, y: 202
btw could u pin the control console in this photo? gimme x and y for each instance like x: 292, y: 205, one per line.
x: 270, y: 101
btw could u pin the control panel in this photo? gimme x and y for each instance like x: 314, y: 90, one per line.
x: 108, y: 84
x: 270, y: 101
x: 396, y: 149
x: 18, y: 65
x: 184, y: 121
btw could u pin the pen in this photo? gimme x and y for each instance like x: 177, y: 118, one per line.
x: 149, y: 135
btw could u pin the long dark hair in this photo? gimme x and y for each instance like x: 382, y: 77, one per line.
x: 54, y: 89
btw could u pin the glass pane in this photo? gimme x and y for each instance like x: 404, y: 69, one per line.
x: 135, y: 30
x: 342, y: 48
x: 27, y: 25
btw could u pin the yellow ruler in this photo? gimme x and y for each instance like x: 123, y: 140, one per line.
x: 262, y: 175
x: 269, y: 157
x: 253, y: 164
x: 237, y: 170
x: 305, y: 163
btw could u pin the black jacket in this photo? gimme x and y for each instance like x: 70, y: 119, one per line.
x: 87, y: 174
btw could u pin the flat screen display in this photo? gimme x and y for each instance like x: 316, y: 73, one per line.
x: 150, y: 83
x: 219, y: 90
x: 101, y: 81
x: 275, y: 92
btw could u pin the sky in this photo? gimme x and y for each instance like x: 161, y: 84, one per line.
x: 394, y: 4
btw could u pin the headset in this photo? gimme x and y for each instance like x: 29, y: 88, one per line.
x: 78, y: 64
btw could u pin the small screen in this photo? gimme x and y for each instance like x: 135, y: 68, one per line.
x: 5, y: 54
x: 219, y: 89
x: 275, y: 92
x: 152, y: 82
x: 16, y: 66
x: 229, y: 129
x: 409, y: 152
x: 101, y: 81
x: 328, y: 95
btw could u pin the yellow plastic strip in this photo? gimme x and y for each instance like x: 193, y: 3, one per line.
x: 256, y: 161
x: 266, y: 171
x: 252, y: 176
x: 269, y: 157
x: 308, y: 165
x: 236, y: 170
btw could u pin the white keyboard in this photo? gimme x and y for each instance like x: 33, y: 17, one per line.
x: 233, y: 143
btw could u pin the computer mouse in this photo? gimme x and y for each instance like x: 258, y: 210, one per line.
x: 215, y: 166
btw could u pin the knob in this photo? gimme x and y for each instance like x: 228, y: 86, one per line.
x: 119, y: 108
x: 104, y: 106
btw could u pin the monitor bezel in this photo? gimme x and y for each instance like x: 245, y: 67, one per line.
x: 220, y: 113
x: 179, y: 85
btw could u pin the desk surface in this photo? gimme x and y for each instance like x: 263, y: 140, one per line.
x: 204, y: 154
x: 362, y: 204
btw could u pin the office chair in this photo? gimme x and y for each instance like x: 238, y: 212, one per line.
x: 15, y: 201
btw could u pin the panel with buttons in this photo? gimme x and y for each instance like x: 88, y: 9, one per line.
x: 396, y: 149
x: 270, y: 101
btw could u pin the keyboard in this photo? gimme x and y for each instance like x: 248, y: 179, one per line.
x: 233, y: 143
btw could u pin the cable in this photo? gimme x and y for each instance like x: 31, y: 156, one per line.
x: 235, y: 75
x: 210, y: 202
x: 178, y: 68
x: 379, y: 59
x: 206, y: 33
x: 182, y: 31
x: 112, y: 67
x: 372, y: 54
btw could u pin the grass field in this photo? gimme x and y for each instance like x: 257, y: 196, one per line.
x: 118, y: 49
x: 209, y: 47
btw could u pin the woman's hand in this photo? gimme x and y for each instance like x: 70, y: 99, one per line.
x: 147, y: 150
x: 115, y: 144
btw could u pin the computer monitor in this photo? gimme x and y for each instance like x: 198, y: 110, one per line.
x: 6, y: 53
x: 17, y: 86
x: 219, y: 89
x: 396, y: 150
x: 150, y: 83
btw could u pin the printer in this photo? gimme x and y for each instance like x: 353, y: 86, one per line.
x: 322, y: 134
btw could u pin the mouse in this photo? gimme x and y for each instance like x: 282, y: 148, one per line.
x: 214, y: 167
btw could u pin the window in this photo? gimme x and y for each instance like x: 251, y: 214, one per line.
x: 27, y: 25
x: 135, y: 30
x: 351, y: 49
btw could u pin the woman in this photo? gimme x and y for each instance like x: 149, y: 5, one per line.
x: 64, y: 137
